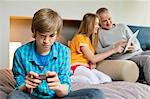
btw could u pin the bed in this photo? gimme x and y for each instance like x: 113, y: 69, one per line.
x: 119, y: 90
x: 113, y: 90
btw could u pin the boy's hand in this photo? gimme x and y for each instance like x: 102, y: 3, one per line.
x: 53, y: 81
x: 32, y: 80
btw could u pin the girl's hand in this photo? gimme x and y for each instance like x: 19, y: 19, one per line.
x: 92, y: 66
x: 121, y: 43
x: 118, y: 49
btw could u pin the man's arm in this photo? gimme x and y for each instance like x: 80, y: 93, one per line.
x: 101, y: 49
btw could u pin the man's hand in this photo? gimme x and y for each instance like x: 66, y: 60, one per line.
x: 131, y: 47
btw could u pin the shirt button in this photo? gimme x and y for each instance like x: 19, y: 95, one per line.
x: 40, y: 89
x: 44, y: 89
x: 41, y: 67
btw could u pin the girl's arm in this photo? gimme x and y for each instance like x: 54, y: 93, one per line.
x: 98, y: 57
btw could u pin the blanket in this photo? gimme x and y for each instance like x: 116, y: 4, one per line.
x: 119, y: 89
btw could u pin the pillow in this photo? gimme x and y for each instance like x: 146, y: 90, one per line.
x: 7, y: 82
x: 125, y: 70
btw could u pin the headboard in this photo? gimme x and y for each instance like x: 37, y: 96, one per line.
x: 70, y: 28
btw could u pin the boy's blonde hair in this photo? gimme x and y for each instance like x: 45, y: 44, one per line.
x: 46, y: 20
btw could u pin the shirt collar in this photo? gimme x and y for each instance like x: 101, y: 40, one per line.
x: 53, y: 52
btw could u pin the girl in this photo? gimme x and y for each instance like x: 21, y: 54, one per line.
x: 83, y: 58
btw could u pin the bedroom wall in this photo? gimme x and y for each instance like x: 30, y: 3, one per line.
x: 0, y: 32
x: 136, y: 12
x: 3, y: 38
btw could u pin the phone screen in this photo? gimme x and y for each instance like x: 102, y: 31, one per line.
x: 42, y: 76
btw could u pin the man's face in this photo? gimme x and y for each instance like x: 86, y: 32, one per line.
x: 44, y: 41
x: 105, y: 20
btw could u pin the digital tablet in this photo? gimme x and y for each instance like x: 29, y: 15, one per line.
x: 131, y: 39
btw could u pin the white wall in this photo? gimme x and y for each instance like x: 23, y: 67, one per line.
x: 3, y: 37
x: 135, y: 12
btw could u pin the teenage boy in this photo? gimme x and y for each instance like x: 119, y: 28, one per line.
x: 42, y: 67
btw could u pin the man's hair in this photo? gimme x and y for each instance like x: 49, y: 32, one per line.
x: 101, y: 10
x: 87, y: 27
x: 46, y: 20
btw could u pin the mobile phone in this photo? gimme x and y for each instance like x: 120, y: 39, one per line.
x: 42, y: 76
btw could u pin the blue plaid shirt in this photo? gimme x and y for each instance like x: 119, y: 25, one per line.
x: 25, y: 60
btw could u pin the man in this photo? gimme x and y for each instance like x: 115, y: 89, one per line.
x: 111, y: 35
x: 42, y: 67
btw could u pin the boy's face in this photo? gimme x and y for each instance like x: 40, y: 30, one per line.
x: 105, y: 20
x: 44, y: 41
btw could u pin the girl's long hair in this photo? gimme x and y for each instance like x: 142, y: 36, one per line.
x: 87, y: 28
